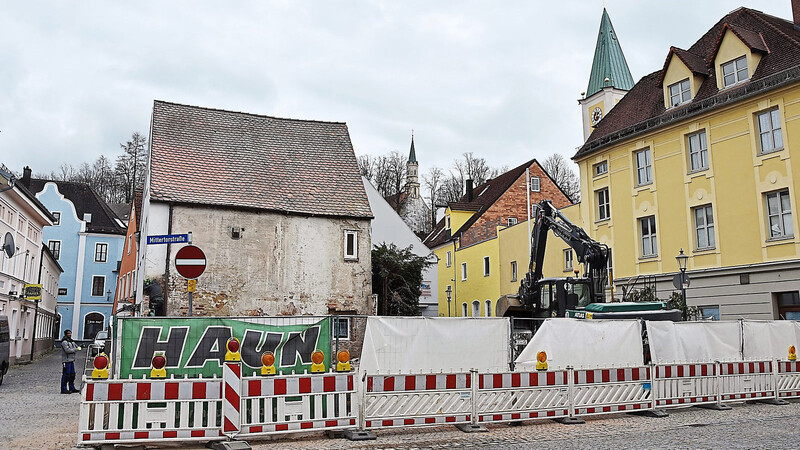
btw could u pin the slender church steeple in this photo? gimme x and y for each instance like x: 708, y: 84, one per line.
x: 609, y: 80
x: 412, y: 171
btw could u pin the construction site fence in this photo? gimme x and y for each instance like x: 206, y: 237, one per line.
x: 142, y: 411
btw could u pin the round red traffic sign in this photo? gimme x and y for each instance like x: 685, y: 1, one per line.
x: 190, y: 261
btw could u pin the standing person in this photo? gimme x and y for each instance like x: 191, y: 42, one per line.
x: 68, y: 350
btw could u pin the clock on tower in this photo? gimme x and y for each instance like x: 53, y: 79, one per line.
x: 597, y: 114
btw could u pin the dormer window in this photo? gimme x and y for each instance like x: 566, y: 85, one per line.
x: 680, y: 92
x: 734, y: 71
x: 447, y: 222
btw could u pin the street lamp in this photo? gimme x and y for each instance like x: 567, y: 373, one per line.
x: 449, y: 292
x: 682, y: 260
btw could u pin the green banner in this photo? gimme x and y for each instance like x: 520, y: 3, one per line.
x: 196, y: 346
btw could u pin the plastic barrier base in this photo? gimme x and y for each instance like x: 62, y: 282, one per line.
x: 359, y: 435
x: 570, y: 420
x: 229, y: 445
x: 650, y: 413
x: 773, y: 401
x: 472, y: 428
x: 715, y: 406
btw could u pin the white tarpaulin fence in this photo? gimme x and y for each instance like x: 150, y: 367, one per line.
x: 769, y: 339
x: 585, y: 344
x: 431, y: 344
x: 672, y: 342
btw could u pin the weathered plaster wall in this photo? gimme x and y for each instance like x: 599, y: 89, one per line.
x: 281, y: 265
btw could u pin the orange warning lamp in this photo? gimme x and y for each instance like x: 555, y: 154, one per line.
x: 158, y: 365
x: 792, y: 353
x: 233, y: 350
x: 541, y: 360
x: 267, y: 363
x: 100, y: 363
x: 343, y: 361
x: 317, y: 362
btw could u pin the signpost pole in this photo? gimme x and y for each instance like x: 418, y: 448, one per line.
x: 190, y: 303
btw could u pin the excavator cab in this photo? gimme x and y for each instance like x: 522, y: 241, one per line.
x: 557, y: 295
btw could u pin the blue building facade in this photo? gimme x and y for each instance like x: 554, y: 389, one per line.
x: 87, y: 241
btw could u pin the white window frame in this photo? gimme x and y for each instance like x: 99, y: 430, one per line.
x: 648, y: 238
x: 568, y: 260
x: 512, y: 221
x: 57, y: 217
x: 130, y: 243
x: 336, y: 331
x: 476, y: 308
x: 737, y: 66
x: 448, y: 258
x: 703, y: 229
x: 463, y: 271
x: 91, y: 289
x: 644, y: 166
x: 488, y: 308
x: 679, y: 93
x: 487, y: 266
x: 600, y: 168
x: 603, y: 204
x: 352, y: 256
x: 536, y: 184
x: 697, y: 145
x: 447, y: 222
x: 513, y: 271
x: 769, y: 139
x: 103, y: 255
x: 779, y: 230
x: 464, y: 309
x: 56, y: 254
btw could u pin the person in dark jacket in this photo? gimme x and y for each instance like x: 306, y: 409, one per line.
x: 68, y: 350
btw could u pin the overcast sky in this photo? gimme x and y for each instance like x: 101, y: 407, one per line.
x: 496, y: 78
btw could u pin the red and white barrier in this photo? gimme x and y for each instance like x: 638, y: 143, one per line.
x: 288, y: 403
x: 140, y: 411
x: 416, y: 400
x: 788, y: 379
x: 746, y: 380
x: 232, y: 401
x: 512, y: 396
x: 685, y: 384
x: 602, y: 391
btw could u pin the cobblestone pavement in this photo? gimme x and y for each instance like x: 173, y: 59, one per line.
x: 33, y: 414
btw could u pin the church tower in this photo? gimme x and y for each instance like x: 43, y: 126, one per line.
x: 412, y: 172
x: 609, y: 80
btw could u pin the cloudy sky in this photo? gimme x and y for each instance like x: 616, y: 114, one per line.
x: 496, y: 78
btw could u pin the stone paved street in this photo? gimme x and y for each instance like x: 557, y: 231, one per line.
x: 33, y: 414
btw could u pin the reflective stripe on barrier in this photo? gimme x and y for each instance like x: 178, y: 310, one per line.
x: 746, y: 380
x: 287, y: 403
x: 416, y: 400
x: 232, y: 403
x: 685, y: 384
x: 503, y: 397
x: 602, y: 391
x: 141, y: 411
x: 788, y: 379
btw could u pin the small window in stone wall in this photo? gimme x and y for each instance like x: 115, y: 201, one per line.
x: 341, y: 328
x: 351, y: 245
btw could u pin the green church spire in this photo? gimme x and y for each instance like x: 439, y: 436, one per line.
x: 412, y: 155
x: 609, y: 61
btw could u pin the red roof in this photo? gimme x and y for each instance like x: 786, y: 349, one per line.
x: 240, y: 160
x: 642, y: 108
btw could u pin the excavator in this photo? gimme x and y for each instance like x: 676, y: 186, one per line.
x: 579, y: 297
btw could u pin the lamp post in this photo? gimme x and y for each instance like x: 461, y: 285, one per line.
x: 682, y: 259
x: 449, y: 292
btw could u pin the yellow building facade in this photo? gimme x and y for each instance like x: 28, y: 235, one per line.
x: 697, y: 157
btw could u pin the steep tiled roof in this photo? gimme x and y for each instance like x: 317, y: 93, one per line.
x: 224, y: 158
x: 485, y: 196
x: 695, y: 63
x: 122, y: 210
x: 85, y: 200
x: 642, y: 108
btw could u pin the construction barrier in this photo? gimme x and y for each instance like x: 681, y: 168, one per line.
x: 414, y: 400
x: 513, y: 396
x: 290, y: 403
x: 788, y: 379
x: 603, y: 391
x: 685, y: 384
x: 746, y: 380
x: 139, y: 411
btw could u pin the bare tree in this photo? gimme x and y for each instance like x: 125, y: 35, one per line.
x: 433, y: 180
x: 560, y: 171
x: 366, y: 166
x: 131, y: 166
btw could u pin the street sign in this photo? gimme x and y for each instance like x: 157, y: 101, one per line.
x: 190, y: 261
x: 677, y: 281
x: 168, y: 239
x: 191, y: 285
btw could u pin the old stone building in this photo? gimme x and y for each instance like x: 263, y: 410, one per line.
x: 277, y: 206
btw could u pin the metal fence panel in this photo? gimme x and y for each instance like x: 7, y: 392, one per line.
x: 603, y: 391
x: 685, y: 384
x: 503, y: 397
x: 746, y: 380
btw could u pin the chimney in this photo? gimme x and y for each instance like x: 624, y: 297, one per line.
x: 469, y: 187
x: 796, y: 13
x: 26, y: 177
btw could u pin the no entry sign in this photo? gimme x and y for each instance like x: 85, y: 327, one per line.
x: 190, y: 261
